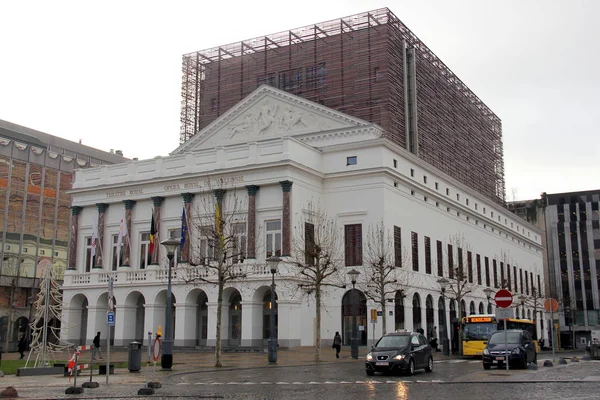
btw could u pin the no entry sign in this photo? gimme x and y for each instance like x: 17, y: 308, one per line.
x: 503, y: 298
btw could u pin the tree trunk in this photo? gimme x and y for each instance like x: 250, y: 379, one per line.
x: 383, y: 319
x: 318, y: 324
x: 219, y: 324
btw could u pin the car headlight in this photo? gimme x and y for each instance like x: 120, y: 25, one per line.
x: 516, y: 350
x: 398, y: 357
x: 486, y: 352
x: 369, y: 357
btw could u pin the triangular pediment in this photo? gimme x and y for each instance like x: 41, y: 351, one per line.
x: 270, y: 113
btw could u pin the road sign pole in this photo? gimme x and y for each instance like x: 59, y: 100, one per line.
x: 506, y: 344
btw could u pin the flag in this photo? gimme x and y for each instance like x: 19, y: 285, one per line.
x: 94, y: 235
x: 122, y: 230
x: 184, y: 228
x: 152, y: 234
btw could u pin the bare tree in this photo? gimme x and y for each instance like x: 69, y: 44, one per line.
x: 317, y: 259
x: 459, y: 274
x: 12, y: 271
x: 384, y: 274
x: 218, y: 249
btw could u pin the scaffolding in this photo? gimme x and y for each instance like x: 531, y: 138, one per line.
x: 358, y: 65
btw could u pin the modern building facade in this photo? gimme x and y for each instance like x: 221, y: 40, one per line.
x: 266, y: 160
x: 36, y: 172
x: 370, y: 66
x: 572, y: 225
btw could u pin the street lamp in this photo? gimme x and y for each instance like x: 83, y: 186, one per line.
x: 272, y: 348
x: 353, y: 274
x: 443, y: 282
x: 488, y: 293
x: 166, y: 359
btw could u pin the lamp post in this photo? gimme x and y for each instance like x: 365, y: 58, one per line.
x: 353, y: 274
x: 166, y: 359
x: 443, y: 282
x: 272, y: 349
x: 488, y: 293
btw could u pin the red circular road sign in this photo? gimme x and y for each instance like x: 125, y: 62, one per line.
x: 503, y: 298
x: 551, y: 305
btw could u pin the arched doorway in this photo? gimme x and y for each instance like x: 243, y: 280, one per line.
x: 266, y: 331
x: 399, y: 310
x: 356, y: 298
x: 429, y: 317
x: 416, y: 303
x: 489, y: 308
x: 235, y: 319
x: 201, y: 319
x: 472, y: 308
x: 442, y: 318
x: 481, y: 309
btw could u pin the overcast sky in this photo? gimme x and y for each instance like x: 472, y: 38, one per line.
x: 108, y: 73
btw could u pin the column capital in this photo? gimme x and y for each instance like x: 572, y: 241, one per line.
x: 187, y: 197
x: 129, y: 204
x: 75, y: 210
x: 219, y: 193
x: 252, y: 189
x: 101, y: 207
x: 157, y: 201
x: 286, y: 186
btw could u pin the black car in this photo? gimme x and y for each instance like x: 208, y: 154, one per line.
x: 519, y: 347
x: 400, y: 352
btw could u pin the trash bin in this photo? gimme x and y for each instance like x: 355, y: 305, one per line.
x: 134, y: 360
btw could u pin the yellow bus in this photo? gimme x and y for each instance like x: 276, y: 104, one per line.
x: 476, y: 329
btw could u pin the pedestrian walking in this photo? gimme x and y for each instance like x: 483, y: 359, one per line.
x: 22, y: 346
x: 337, y: 344
x: 96, y: 347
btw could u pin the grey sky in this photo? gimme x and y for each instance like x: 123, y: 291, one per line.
x: 108, y: 72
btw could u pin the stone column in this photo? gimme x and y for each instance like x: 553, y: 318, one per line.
x: 75, y: 210
x: 100, y: 246
x: 126, y: 261
x: 157, y: 202
x: 252, y: 190
x: 187, y: 206
x: 286, y: 186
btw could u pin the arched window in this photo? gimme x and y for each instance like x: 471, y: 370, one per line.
x: 463, y: 309
x: 472, y: 308
x: 481, y: 309
x: 429, y: 316
x: 416, y: 312
x: 399, y: 310
x: 354, y: 301
x: 267, y: 314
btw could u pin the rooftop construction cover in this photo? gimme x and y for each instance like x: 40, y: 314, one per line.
x: 370, y: 66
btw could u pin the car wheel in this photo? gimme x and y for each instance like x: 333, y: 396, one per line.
x: 411, y: 367
x: 370, y: 372
x: 429, y: 367
x: 487, y: 366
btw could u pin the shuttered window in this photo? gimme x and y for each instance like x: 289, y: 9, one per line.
x: 353, y: 243
x: 495, y: 266
x: 427, y: 255
x: 470, y: 266
x: 414, y: 237
x: 397, y: 247
x: 461, y: 272
x: 450, y: 262
x: 440, y: 259
x: 478, y: 269
x: 487, y: 272
x: 309, y: 243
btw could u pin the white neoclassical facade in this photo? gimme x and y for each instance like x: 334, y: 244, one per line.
x: 277, y: 153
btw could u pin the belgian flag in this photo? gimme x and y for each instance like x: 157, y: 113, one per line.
x: 152, y: 236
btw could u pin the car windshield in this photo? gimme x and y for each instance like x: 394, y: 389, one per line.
x: 393, y: 341
x: 512, y: 337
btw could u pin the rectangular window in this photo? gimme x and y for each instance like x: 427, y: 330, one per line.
x: 42, y: 252
x: 240, y: 240
x: 495, y: 268
x: 207, y: 244
x: 440, y: 258
x: 508, y: 281
x: 352, y: 160
x: 25, y: 249
x: 461, y: 272
x: 427, y: 255
x: 424, y: 179
x: 398, y: 246
x: 515, y: 276
x: 521, y: 279
x: 478, y: 258
x: 412, y: 172
x: 414, y: 237
x: 273, y: 230
x: 116, y: 253
x: 316, y: 77
x: 450, y: 262
x: 447, y: 192
x: 353, y: 244
x: 176, y: 233
x: 309, y: 244
x: 470, y: 266
x: 457, y: 196
x: 487, y: 272
x: 502, y: 282
x: 395, y: 163
x: 526, y: 284
x: 437, y: 186
x: 89, y: 260
x: 144, y: 250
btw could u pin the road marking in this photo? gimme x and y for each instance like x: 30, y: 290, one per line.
x: 369, y: 382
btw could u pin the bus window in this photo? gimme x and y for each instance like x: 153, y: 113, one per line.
x: 478, y: 331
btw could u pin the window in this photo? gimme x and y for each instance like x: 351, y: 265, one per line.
x: 176, y: 233
x: 440, y: 259
x: 436, y: 186
x: 425, y: 199
x: 238, y: 231
x: 467, y: 201
x: 427, y: 255
x: 478, y: 258
x: 273, y: 238
x: 424, y: 179
x: 42, y: 252
x: 207, y: 244
x: 457, y: 196
x: 353, y: 244
x: 56, y: 254
x: 447, y: 192
x: 395, y: 163
x: 309, y: 243
x: 487, y: 272
x: 25, y: 249
x: 414, y: 236
x: 352, y: 160
x: 412, y: 192
x: 316, y: 77
x: 116, y: 253
x: 476, y: 206
x: 395, y: 184
x: 450, y: 262
x: 89, y: 260
x: 495, y: 267
x: 145, y: 250
x: 470, y: 266
x: 437, y: 203
x: 397, y: 247
x: 461, y: 272
x: 412, y: 172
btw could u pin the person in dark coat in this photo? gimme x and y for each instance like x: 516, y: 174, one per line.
x: 337, y: 344
x: 96, y: 348
x: 22, y: 346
